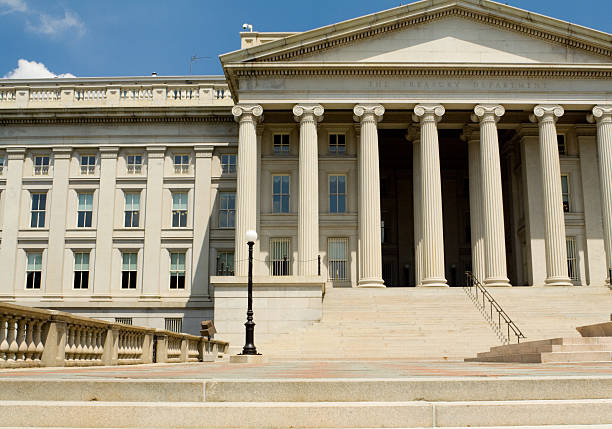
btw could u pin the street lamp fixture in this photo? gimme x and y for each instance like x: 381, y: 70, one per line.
x: 249, y: 344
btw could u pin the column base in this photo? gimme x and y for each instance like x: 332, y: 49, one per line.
x: 558, y: 281
x: 502, y: 282
x: 371, y: 283
x: 433, y: 283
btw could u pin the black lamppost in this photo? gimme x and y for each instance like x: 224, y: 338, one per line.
x: 249, y: 344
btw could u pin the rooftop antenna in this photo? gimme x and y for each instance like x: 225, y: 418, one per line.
x: 193, y: 59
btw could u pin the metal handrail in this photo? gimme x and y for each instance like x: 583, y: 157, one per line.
x: 473, y: 282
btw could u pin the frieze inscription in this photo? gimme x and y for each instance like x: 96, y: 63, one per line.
x: 458, y: 84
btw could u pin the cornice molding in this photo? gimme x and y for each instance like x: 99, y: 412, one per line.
x: 113, y: 120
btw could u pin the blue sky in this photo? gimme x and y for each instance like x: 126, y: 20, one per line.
x: 137, y: 37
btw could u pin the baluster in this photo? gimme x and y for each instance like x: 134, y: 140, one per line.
x: 96, y: 344
x: 31, y: 347
x: 73, y: 342
x: 79, y: 343
x: 22, y: 346
x: 4, y: 346
x: 12, y: 335
x: 38, y: 340
x: 69, y: 342
x: 88, y: 348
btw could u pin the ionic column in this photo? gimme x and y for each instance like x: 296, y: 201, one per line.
x: 414, y: 135
x: 370, y: 257
x: 472, y: 137
x: 246, y: 187
x: 603, y: 116
x: 308, y: 206
x: 492, y: 201
x: 554, y: 219
x: 428, y: 116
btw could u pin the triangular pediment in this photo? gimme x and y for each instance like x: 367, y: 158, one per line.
x: 444, y: 31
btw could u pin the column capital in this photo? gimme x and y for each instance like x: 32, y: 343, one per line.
x: 546, y: 112
x: 64, y: 152
x: 428, y: 112
x: 247, y: 112
x: 488, y: 112
x: 600, y: 114
x: 203, y: 151
x: 156, y: 151
x: 109, y: 152
x: 471, y: 132
x: 15, y: 153
x: 304, y: 111
x: 363, y: 112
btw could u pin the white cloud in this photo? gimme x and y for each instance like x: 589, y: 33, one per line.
x: 32, y: 70
x: 50, y: 25
x: 10, y: 6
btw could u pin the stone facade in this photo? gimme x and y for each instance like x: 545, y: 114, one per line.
x: 148, y: 185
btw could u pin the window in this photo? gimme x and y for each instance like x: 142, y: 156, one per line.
x: 123, y: 320
x: 174, y: 324
x: 280, y: 194
x: 85, y: 210
x: 88, y: 164
x: 572, y: 263
x: 134, y: 164
x: 565, y: 192
x: 177, y: 270
x: 81, y: 270
x: 34, y: 270
x: 337, y: 194
x: 228, y: 163
x: 561, y: 144
x: 281, y: 144
x: 227, y: 210
x: 281, y: 260
x: 1, y: 164
x: 41, y: 165
x: 129, y: 270
x: 181, y: 164
x: 337, y: 259
x: 39, y: 202
x: 225, y: 263
x: 179, y: 209
x: 337, y: 144
x: 132, y: 209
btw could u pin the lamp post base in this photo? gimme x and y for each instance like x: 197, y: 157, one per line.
x: 248, y: 359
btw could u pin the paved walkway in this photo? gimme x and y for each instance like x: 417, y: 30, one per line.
x: 311, y: 369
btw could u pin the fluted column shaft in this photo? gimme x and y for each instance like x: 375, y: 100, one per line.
x: 246, y: 186
x: 476, y: 227
x: 417, y: 209
x: 554, y: 219
x: 370, y: 256
x: 492, y: 200
x: 308, y: 207
x: 431, y: 195
x: 603, y: 116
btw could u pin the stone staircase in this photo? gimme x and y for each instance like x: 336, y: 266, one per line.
x: 479, y: 402
x: 421, y: 323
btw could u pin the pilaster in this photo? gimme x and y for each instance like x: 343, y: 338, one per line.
x: 308, y: 206
x: 246, y: 187
x: 492, y: 201
x: 554, y: 220
x: 201, y: 222
x: 370, y: 256
x: 428, y: 115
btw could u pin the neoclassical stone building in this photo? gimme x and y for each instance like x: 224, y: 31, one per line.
x: 397, y: 149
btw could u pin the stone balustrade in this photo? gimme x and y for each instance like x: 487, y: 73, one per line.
x: 80, y: 93
x: 31, y: 337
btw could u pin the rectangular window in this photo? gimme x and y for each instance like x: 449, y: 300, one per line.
x: 81, y: 270
x: 572, y: 262
x: 134, y: 164
x: 88, y: 164
x: 41, y: 165
x: 132, y: 209
x: 228, y: 163
x: 280, y: 256
x: 123, y: 320
x: 181, y: 164
x: 227, y: 209
x: 34, y: 270
x: 39, y: 203
x: 281, y: 144
x: 565, y: 192
x: 85, y: 210
x: 1, y: 164
x: 337, y: 194
x: 337, y: 259
x: 174, y: 324
x: 129, y: 270
x: 177, y: 270
x: 225, y: 263
x: 337, y: 144
x: 280, y: 194
x: 561, y: 144
x: 179, y: 209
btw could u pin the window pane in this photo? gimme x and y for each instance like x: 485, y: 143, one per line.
x: 86, y: 202
x: 285, y: 204
x: 179, y: 201
x: 342, y: 184
x: 34, y: 261
x: 341, y: 204
x: 276, y: 184
x: 285, y: 184
x: 333, y: 184
x: 564, y: 184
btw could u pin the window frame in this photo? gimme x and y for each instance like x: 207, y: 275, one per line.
x: 336, y: 144
x: 41, y: 169
x: 573, y: 269
x: 228, y: 167
x: 85, y: 217
x: 180, y: 215
x: 87, y: 169
x: 283, y: 147
x: 38, y: 213
x: 134, y: 215
x: 80, y: 274
x: 281, y: 195
x: 134, y: 168
x: 178, y: 277
x: 34, y: 276
x: 223, y: 254
x: 562, y: 137
x: 182, y: 167
x: 336, y: 194
x: 2, y: 163
x: 129, y: 276
x: 280, y: 265
x: 568, y: 193
x: 226, y: 213
x: 333, y: 261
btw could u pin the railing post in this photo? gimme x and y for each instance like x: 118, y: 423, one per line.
x: 147, y: 347
x: 54, y: 353
x: 110, y: 351
x: 162, y: 347
x: 184, y: 350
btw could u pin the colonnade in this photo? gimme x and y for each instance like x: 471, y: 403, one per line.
x: 486, y: 202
